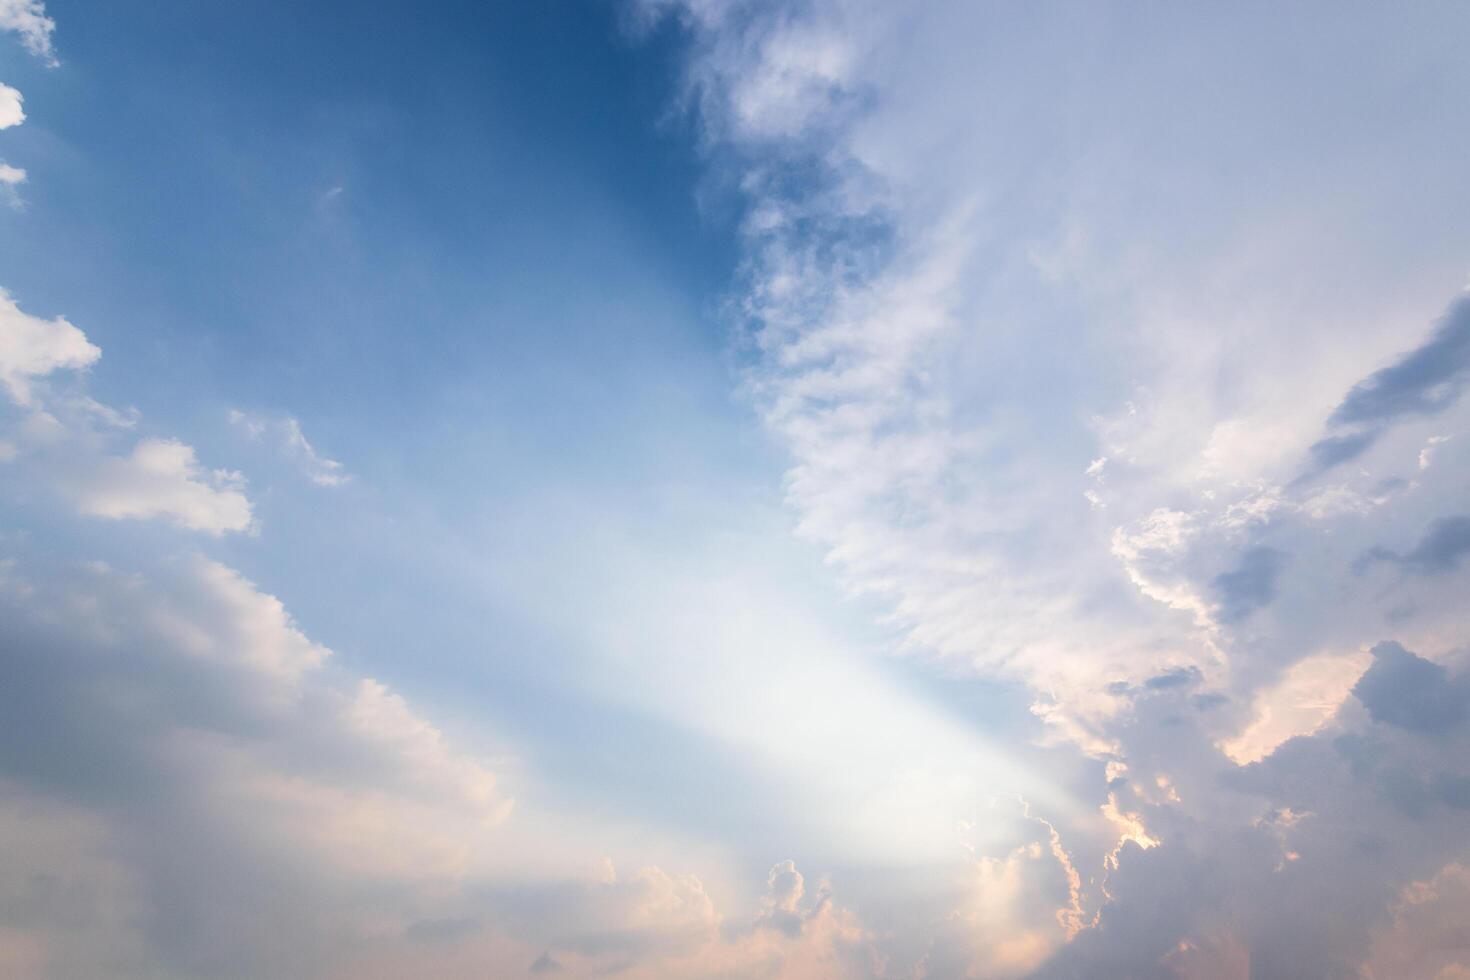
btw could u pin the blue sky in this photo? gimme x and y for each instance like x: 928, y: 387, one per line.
x: 687, y: 489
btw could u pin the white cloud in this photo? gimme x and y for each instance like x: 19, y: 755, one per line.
x: 1305, y: 699
x: 224, y: 618
x: 11, y: 113
x: 28, y: 19
x: 1014, y: 912
x: 31, y: 348
x: 10, y: 179
x: 162, y: 478
x: 65, y: 436
x: 1426, y: 455
x: 319, y: 469
x: 253, y: 426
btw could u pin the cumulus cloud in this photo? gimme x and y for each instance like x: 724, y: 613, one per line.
x: 64, y: 436
x: 648, y: 925
x: 1287, y: 866
x: 1014, y: 909
x: 11, y: 113
x: 1406, y: 690
x: 1306, y: 697
x: 31, y: 348
x: 162, y: 478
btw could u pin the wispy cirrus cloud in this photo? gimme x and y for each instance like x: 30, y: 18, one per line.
x: 293, y: 444
x: 28, y: 19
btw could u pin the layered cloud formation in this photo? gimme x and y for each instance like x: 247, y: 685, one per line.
x: 1118, y: 362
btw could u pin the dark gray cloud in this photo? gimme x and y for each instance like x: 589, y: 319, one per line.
x: 1404, y: 689
x: 1178, y: 677
x: 1425, y: 381
x: 545, y: 964
x: 1329, y: 452
x: 1250, y: 585
x: 1443, y: 548
x: 1453, y: 790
